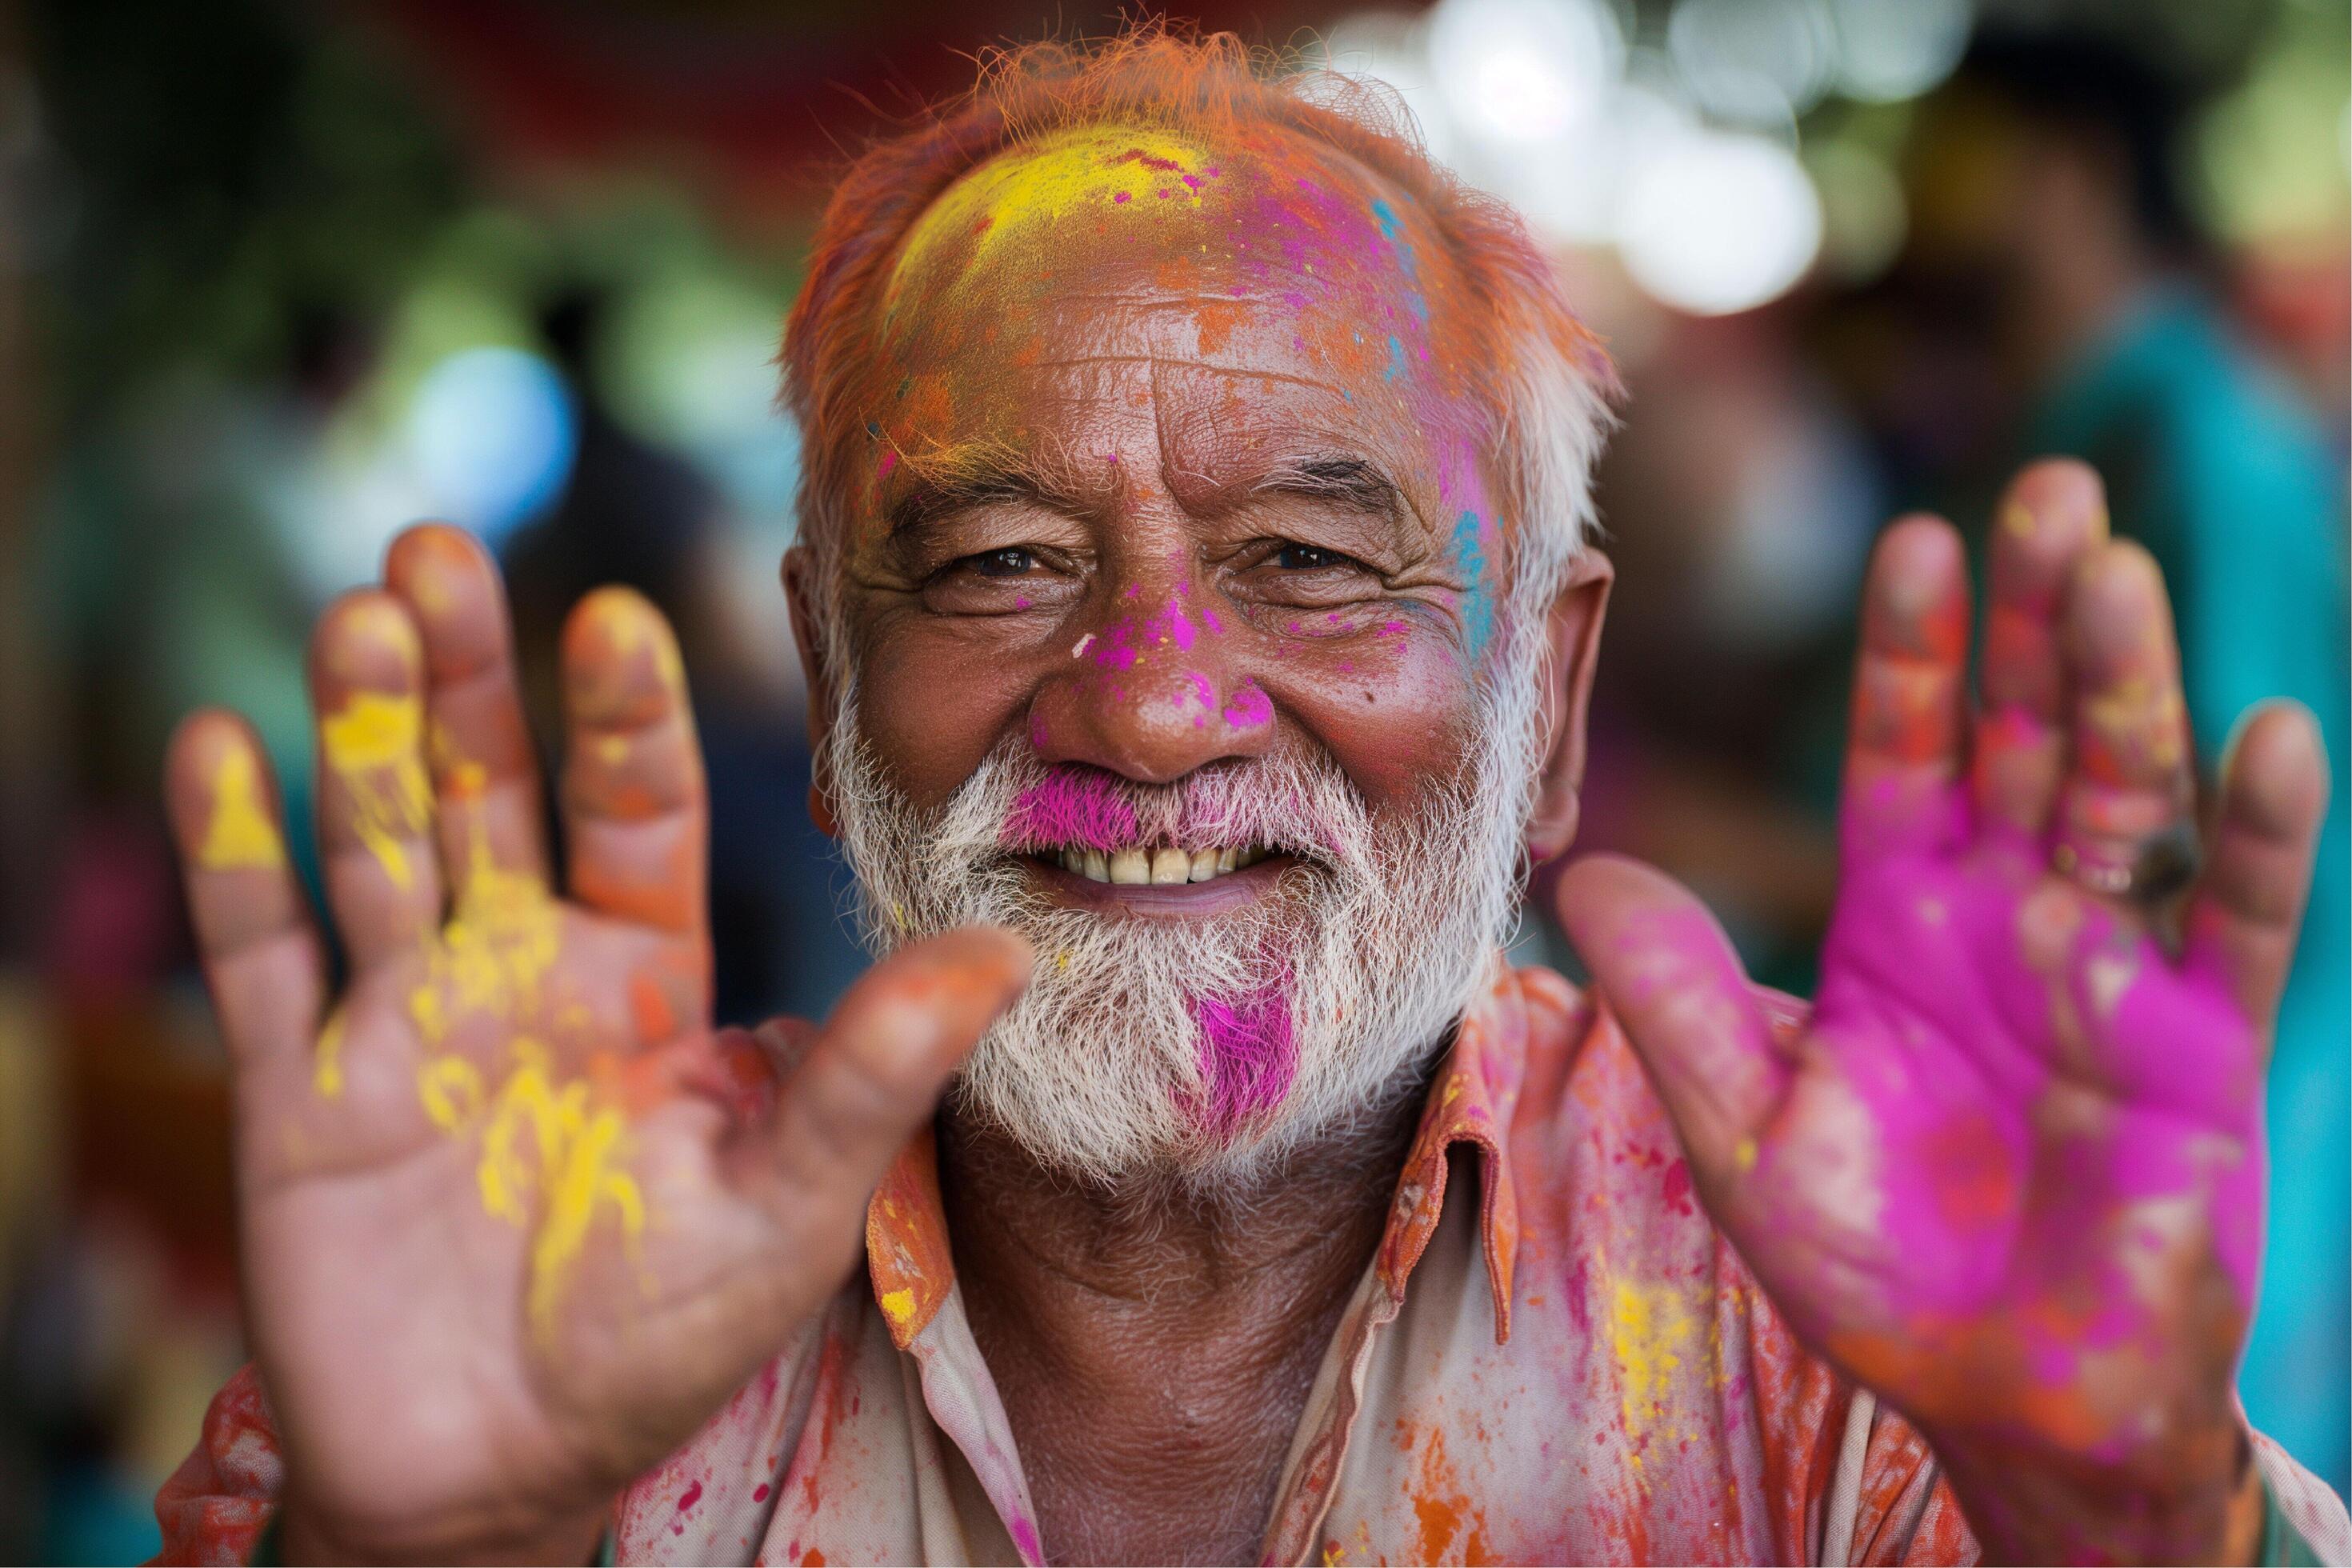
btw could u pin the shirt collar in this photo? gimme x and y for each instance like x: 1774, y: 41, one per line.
x: 1470, y: 1101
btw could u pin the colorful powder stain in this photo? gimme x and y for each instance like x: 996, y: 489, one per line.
x: 1248, y: 1057
x: 1453, y: 1528
x: 1090, y: 172
x: 239, y: 836
x: 327, y: 1070
x: 1478, y: 602
x: 1650, y: 1328
x: 496, y: 950
x: 372, y: 745
x: 1073, y: 806
x: 1248, y: 706
x: 540, y: 1144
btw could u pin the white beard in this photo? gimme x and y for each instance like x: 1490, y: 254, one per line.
x: 1206, y: 1050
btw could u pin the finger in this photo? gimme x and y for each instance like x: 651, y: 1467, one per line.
x: 2053, y: 513
x: 1910, y: 691
x: 261, y: 951
x: 488, y: 813
x: 875, y: 1072
x: 2127, y: 774
x: 2247, y: 908
x: 1676, y: 988
x: 634, y: 818
x: 376, y: 804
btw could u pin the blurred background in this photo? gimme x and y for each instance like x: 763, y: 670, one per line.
x: 278, y: 277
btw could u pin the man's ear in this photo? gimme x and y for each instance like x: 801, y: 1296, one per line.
x: 799, y: 595
x: 1572, y: 639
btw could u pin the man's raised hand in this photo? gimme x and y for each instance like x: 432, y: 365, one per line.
x: 2009, y: 1174
x: 515, y: 1219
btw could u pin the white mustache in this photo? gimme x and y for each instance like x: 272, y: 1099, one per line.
x: 1017, y: 803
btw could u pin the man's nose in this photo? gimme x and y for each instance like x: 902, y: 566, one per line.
x: 1152, y: 691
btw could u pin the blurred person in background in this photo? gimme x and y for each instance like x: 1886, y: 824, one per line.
x: 2059, y: 266
x: 1199, y: 612
x: 632, y: 512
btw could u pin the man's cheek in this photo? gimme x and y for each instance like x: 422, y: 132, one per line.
x: 1396, y: 706
x: 936, y: 710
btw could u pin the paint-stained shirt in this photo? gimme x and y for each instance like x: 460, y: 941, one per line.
x: 1553, y: 1357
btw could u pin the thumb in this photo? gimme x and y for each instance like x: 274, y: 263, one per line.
x: 875, y: 1071
x: 1669, y: 976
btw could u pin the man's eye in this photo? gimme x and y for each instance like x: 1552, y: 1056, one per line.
x: 1308, y: 558
x: 1011, y: 562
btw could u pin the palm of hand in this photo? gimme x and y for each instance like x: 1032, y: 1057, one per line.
x: 2008, y: 1171
x: 2017, y: 1171
x: 487, y: 1124
x: 516, y: 1221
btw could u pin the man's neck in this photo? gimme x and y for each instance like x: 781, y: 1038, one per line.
x: 1153, y: 1347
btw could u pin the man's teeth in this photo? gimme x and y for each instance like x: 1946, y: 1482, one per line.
x: 1138, y: 867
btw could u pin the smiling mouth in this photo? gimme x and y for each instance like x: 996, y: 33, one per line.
x: 1163, y: 868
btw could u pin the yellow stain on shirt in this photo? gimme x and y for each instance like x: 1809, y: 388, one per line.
x: 898, y: 1306
x: 1096, y: 170
x: 372, y: 745
x: 240, y: 836
x: 1651, y: 1329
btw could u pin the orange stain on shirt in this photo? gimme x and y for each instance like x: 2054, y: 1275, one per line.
x: 1453, y: 1528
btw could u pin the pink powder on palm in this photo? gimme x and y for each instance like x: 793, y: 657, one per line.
x: 1247, y: 1057
x: 1080, y: 806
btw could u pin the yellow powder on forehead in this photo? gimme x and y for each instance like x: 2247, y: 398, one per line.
x: 1093, y: 174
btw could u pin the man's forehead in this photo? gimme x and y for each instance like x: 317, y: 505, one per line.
x: 1256, y: 278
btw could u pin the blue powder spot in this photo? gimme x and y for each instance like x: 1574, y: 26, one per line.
x: 1385, y: 216
x: 1396, y: 356
x: 1478, y: 603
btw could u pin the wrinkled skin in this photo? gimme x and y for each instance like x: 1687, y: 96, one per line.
x: 1941, y: 1183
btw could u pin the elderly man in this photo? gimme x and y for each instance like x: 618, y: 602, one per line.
x: 1196, y: 599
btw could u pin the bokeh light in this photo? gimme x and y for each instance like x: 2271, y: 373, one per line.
x: 1520, y: 73
x: 1755, y: 62
x: 1891, y: 50
x: 1716, y: 222
x: 493, y: 434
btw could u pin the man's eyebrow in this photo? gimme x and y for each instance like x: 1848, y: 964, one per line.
x: 1353, y: 482
x: 944, y: 485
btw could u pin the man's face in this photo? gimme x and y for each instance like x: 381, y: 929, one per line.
x: 1167, y: 613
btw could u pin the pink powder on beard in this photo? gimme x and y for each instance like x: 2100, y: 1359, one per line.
x: 1078, y: 806
x: 1247, y: 1055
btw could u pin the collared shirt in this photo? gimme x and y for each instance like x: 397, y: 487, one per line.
x: 1553, y: 1357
